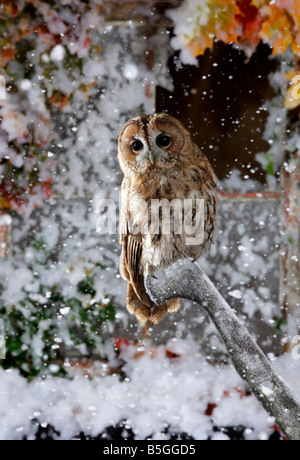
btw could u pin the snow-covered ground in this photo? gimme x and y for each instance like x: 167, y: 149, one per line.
x: 158, y: 391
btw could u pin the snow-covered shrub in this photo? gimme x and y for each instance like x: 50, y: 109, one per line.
x: 42, y: 46
x: 44, y: 319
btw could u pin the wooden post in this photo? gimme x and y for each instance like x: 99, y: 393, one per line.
x: 5, y: 234
x: 139, y: 10
x: 290, y: 289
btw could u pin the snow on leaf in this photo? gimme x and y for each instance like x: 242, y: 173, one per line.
x: 41, y: 50
x: 244, y: 22
x: 277, y: 28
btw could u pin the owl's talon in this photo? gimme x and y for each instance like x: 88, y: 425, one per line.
x: 151, y: 273
x: 150, y: 270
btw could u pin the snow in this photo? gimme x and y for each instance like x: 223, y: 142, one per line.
x: 243, y: 260
x: 5, y: 219
x: 157, y: 392
x: 290, y: 167
x: 102, y: 91
x: 267, y: 391
x: 117, y: 79
x: 130, y: 71
x: 58, y: 53
x: 187, y: 19
x: 2, y: 88
x: 13, y: 123
x: 236, y: 294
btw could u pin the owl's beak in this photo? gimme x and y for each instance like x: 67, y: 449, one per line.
x: 151, y: 158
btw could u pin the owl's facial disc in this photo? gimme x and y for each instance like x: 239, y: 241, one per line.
x: 150, y: 144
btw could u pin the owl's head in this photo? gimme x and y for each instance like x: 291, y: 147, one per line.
x: 151, y: 143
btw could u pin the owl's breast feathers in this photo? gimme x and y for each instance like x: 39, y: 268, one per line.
x: 132, y: 268
x: 141, y: 252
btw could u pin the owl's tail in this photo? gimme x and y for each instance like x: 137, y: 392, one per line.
x: 152, y: 312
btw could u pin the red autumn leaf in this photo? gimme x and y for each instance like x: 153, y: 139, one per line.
x: 171, y: 355
x: 7, y: 53
x: 210, y: 408
x: 87, y: 42
x: 275, y: 427
x: 251, y: 21
x: 121, y: 344
x: 47, y: 190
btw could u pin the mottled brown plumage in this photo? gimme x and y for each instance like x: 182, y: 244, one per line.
x: 160, y: 162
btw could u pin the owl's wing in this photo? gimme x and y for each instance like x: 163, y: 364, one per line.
x: 204, y: 168
x: 124, y: 232
x: 132, y: 248
x: 206, y: 183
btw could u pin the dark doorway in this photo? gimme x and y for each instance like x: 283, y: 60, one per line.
x: 221, y: 102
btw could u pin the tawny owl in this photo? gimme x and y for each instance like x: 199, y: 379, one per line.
x: 161, y: 165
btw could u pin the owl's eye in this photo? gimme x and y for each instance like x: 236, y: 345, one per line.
x: 163, y: 140
x: 137, y: 146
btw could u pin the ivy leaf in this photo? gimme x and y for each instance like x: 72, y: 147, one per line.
x: 268, y: 163
x: 87, y: 287
x: 99, y: 265
x: 39, y: 245
x: 107, y: 313
x: 279, y: 323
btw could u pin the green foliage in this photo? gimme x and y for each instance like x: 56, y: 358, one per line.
x: 39, y: 329
x: 39, y: 245
x: 268, y: 163
x: 87, y: 287
x: 279, y: 324
x: 46, y: 324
